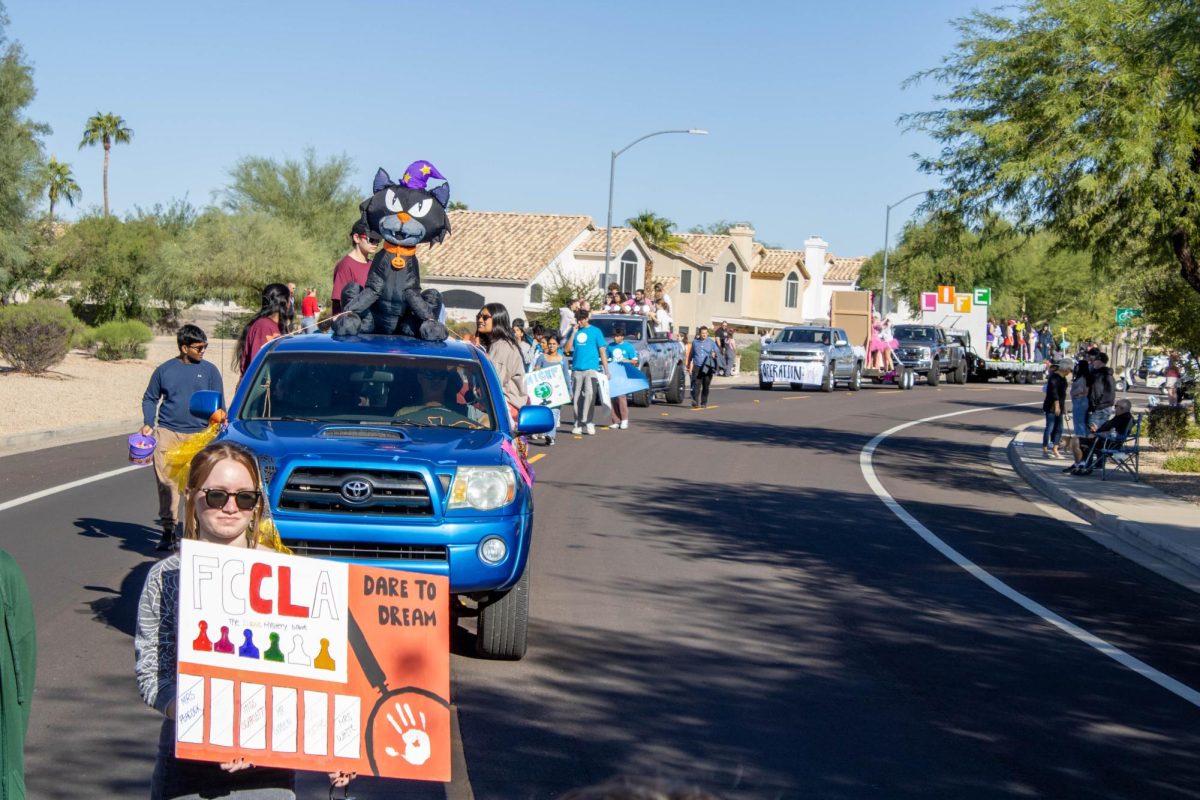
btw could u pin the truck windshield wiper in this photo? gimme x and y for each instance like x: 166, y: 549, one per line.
x: 289, y: 418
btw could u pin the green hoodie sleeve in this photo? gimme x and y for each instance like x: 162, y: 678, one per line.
x: 18, y: 663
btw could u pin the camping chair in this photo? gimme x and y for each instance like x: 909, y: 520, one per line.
x: 1123, y: 451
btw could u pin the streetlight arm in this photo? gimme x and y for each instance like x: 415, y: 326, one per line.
x: 887, y: 222
x: 907, y: 197
x: 657, y: 133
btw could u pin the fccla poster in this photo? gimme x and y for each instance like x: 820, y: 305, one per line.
x: 312, y: 664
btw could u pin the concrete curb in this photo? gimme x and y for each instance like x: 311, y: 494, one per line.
x: 1132, y: 533
x: 36, y: 440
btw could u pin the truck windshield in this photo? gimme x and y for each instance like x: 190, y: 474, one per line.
x: 633, y: 327
x: 801, y: 336
x: 915, y: 333
x: 357, y: 388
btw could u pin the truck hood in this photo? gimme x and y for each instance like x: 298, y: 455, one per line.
x: 367, y: 444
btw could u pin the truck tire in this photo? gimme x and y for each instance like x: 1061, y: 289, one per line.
x: 934, y: 376
x: 855, y: 378
x: 796, y: 387
x: 827, y: 381
x: 765, y: 386
x: 675, y: 387
x: 960, y: 374
x: 908, y: 379
x: 503, y: 624
x: 642, y: 399
x: 1022, y: 378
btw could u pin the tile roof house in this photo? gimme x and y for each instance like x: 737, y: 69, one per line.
x: 515, y: 258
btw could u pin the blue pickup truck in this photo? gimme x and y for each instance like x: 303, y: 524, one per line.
x: 396, y: 452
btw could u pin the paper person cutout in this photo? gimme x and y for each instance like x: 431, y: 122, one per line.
x: 297, y: 654
x: 273, y: 652
x: 323, y: 659
x: 224, y: 645
x: 202, y: 642
x: 248, y: 648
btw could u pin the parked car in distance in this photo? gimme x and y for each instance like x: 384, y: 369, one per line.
x: 396, y: 452
x: 812, y: 355
x: 928, y: 351
x: 659, y: 358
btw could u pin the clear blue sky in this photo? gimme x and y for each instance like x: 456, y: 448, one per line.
x: 518, y: 103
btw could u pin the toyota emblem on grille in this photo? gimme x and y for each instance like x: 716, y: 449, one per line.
x: 356, y: 491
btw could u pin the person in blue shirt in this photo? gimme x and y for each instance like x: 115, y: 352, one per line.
x: 620, y: 350
x: 165, y: 414
x: 704, y: 358
x: 551, y: 357
x: 586, y: 347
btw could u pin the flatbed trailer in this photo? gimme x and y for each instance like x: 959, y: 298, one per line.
x: 1012, y: 371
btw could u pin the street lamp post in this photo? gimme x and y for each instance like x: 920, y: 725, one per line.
x: 887, y: 221
x: 612, y: 171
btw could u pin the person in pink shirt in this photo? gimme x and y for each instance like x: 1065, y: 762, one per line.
x: 270, y: 322
x: 354, y: 265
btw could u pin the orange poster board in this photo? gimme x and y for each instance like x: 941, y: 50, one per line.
x: 312, y: 664
x: 945, y: 295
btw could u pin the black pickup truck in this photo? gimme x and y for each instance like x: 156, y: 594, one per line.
x: 928, y: 351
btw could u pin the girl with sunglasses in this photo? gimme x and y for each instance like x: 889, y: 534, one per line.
x: 223, y: 504
x: 497, y: 339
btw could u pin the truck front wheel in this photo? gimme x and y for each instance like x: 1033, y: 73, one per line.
x: 674, y: 393
x: 503, y: 624
x: 934, y: 377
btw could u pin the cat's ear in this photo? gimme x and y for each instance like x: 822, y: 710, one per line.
x: 441, y: 193
x: 382, y: 179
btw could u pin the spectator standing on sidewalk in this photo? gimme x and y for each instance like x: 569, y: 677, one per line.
x: 355, y: 265
x: 309, y: 309
x: 497, y: 339
x: 1079, y: 399
x: 620, y: 350
x: 1103, y: 392
x: 703, y: 359
x: 271, y: 321
x: 166, y: 415
x: 1054, y: 405
x: 551, y: 356
x: 588, y: 358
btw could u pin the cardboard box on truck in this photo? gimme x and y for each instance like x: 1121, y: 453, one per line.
x: 851, y: 311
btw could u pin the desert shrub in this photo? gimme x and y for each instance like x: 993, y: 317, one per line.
x: 1168, y: 428
x: 749, y: 356
x: 229, y: 326
x: 1183, y: 462
x: 35, y: 336
x: 122, y: 339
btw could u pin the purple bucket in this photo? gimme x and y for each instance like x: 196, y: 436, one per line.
x: 141, y: 448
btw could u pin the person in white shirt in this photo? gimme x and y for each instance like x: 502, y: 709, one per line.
x: 662, y: 319
x: 659, y: 294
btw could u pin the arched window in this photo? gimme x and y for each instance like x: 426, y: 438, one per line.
x: 629, y: 272
x: 536, y: 294
x: 730, y: 284
x: 791, y: 291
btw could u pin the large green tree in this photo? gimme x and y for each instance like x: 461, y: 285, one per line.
x: 1078, y: 116
x: 60, y: 185
x: 105, y: 130
x: 20, y: 168
x: 656, y: 230
x: 106, y: 263
x: 314, y: 195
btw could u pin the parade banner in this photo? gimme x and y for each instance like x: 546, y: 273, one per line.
x: 809, y: 373
x: 625, y: 379
x: 312, y: 664
x: 547, y: 387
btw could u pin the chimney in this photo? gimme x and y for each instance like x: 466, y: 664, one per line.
x: 743, y: 239
x: 816, y: 301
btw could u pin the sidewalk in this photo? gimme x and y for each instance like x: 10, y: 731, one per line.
x: 1139, y: 515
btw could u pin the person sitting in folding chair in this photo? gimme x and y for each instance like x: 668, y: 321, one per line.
x: 1087, y: 451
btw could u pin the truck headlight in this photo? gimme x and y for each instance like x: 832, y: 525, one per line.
x: 482, y: 488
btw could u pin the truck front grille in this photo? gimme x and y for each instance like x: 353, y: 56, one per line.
x: 369, y: 550
x: 341, y: 491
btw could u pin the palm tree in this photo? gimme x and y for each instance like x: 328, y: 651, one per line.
x: 60, y: 184
x: 106, y: 129
x: 656, y: 230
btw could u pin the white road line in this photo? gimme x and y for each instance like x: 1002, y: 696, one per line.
x: 1177, y: 688
x: 29, y: 498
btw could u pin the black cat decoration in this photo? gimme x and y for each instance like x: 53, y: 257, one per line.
x: 405, y: 213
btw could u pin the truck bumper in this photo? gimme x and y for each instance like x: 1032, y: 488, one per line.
x: 461, y: 539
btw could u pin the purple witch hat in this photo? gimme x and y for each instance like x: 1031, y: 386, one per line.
x: 418, y: 174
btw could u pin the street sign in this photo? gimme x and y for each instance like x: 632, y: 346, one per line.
x: 983, y: 297
x: 1126, y: 316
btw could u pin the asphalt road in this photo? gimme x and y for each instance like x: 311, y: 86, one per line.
x: 718, y: 598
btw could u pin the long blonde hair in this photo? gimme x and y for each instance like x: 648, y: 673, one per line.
x: 202, y: 466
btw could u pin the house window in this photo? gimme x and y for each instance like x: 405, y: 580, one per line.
x: 629, y: 265
x: 730, y: 283
x: 791, y: 291
x: 463, y: 299
x: 685, y: 281
x: 536, y: 295
x: 703, y: 281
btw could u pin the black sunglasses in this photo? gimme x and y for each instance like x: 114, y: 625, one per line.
x: 217, y: 498
x: 483, y: 316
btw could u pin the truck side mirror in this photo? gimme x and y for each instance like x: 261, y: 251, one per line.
x: 534, y: 419
x: 204, y: 404
x: 841, y: 343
